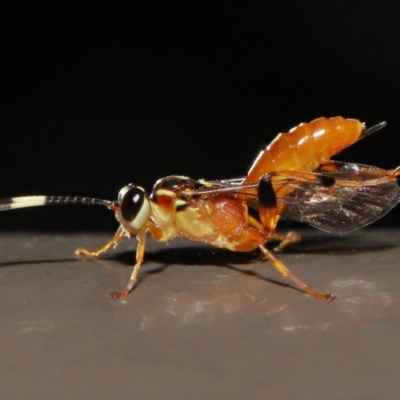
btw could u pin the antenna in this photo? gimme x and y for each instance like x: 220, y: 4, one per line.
x: 12, y: 203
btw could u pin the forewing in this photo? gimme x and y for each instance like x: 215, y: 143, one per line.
x: 353, y: 202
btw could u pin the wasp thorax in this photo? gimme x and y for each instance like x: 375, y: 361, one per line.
x: 134, y: 206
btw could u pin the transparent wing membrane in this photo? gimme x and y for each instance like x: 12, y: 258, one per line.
x: 361, y: 195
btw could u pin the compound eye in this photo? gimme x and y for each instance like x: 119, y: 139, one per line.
x: 123, y: 191
x: 135, y: 206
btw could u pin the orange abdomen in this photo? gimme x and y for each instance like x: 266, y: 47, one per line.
x: 306, y: 146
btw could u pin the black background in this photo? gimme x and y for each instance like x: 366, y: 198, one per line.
x: 96, y: 94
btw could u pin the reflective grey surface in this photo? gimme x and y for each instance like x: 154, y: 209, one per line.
x: 202, y: 323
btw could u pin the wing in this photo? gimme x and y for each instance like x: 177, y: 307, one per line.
x: 361, y: 195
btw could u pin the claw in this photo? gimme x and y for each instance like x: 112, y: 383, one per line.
x: 119, y: 295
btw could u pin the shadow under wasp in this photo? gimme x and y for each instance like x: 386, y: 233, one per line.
x: 292, y: 178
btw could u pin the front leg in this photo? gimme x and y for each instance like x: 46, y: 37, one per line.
x: 156, y: 234
x: 139, y: 259
x: 113, y: 242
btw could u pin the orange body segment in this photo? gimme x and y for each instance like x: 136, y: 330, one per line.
x: 306, y: 146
